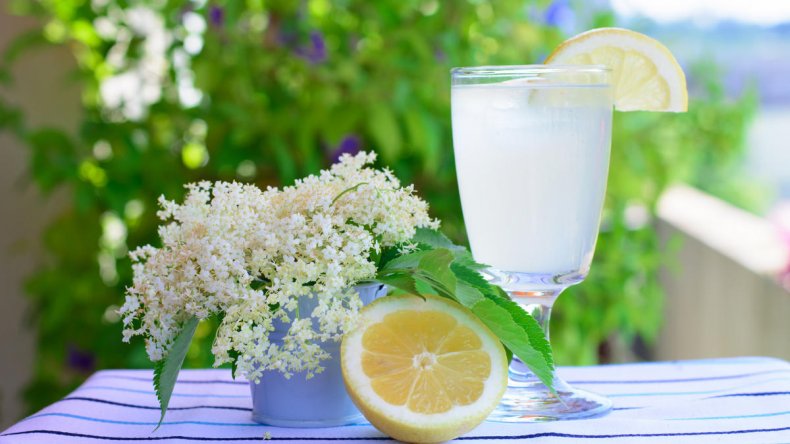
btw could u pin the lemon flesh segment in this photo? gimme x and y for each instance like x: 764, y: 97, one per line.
x: 428, y: 344
x: 645, y: 74
x: 423, y: 370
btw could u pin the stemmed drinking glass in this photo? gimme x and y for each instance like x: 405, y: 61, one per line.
x: 531, y: 149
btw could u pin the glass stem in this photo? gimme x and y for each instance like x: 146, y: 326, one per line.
x: 542, y: 314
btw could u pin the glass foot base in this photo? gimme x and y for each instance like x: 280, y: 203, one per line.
x: 533, y: 403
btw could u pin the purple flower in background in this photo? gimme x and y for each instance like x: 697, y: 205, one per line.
x: 440, y: 55
x: 311, y: 48
x: 216, y: 15
x: 351, y: 144
x: 79, y: 359
x: 315, y: 51
x: 319, y: 46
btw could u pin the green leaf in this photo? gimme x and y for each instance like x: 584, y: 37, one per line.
x: 426, y: 288
x: 430, y: 268
x: 530, y: 326
x: 434, y: 239
x: 408, y: 261
x: 166, y: 370
x: 522, y: 334
x: 401, y: 281
x: 464, y: 257
x: 428, y: 285
x: 468, y: 295
x: 435, y: 265
x: 511, y: 333
x: 471, y: 277
x: 387, y: 254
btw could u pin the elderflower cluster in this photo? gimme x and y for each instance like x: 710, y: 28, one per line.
x: 248, y: 256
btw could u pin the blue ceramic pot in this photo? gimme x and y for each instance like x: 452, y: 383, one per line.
x: 320, y: 401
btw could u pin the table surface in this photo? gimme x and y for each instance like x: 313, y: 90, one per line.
x: 739, y: 400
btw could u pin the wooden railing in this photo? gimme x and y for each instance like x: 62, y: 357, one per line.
x: 723, y: 296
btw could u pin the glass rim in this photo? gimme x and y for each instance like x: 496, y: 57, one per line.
x: 493, y: 71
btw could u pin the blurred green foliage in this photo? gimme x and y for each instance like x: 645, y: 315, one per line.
x: 268, y: 91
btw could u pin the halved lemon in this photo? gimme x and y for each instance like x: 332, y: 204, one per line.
x: 645, y: 74
x: 423, y: 370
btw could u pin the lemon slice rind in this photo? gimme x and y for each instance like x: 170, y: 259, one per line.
x: 645, y: 74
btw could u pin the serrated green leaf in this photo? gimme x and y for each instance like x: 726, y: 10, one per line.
x: 166, y: 370
x: 502, y: 324
x: 511, y: 318
x: 434, y: 239
x: 464, y: 257
x: 471, y: 277
x: 531, y: 327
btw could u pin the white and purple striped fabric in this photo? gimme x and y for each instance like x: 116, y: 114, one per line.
x: 738, y: 400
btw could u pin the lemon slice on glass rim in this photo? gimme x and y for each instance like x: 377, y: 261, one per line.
x: 645, y: 74
x: 423, y: 370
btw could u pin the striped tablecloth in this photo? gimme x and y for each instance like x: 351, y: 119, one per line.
x: 741, y: 400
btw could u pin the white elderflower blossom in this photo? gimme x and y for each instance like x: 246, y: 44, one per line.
x: 249, y: 255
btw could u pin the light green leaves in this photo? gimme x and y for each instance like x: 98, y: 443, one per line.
x: 166, y: 370
x: 446, y: 269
